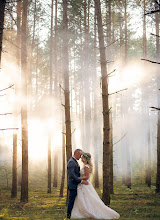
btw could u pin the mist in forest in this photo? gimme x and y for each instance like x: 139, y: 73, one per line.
x: 133, y: 130
x: 132, y: 91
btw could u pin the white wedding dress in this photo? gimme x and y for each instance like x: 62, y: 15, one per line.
x: 89, y: 205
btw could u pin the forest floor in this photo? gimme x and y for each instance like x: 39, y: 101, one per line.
x: 140, y: 202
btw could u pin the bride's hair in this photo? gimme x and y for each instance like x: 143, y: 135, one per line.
x: 87, y: 160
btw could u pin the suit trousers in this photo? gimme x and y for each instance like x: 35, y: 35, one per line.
x: 72, y: 196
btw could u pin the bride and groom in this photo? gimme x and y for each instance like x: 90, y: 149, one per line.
x: 84, y: 201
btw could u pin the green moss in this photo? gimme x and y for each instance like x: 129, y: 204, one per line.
x: 138, y: 203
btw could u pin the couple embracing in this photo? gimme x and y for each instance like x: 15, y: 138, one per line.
x: 84, y: 201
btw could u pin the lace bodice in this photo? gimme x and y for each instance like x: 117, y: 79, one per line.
x: 82, y: 170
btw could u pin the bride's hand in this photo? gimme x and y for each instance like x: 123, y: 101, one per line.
x: 84, y: 182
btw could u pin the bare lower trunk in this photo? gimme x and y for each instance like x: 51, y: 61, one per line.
x: 63, y: 165
x: 111, y: 156
x: 106, y: 128
x: 158, y: 157
x: 55, y: 179
x: 24, y: 125
x: 16, y: 107
x: 148, y: 163
x: 14, y: 168
x: 49, y: 163
x: 158, y: 96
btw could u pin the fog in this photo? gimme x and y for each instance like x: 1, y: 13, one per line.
x: 132, y: 91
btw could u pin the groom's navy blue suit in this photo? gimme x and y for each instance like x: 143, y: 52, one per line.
x: 73, y: 181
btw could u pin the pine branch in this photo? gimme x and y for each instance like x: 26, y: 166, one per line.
x: 6, y: 114
x: 151, y: 61
x: 4, y: 129
x: 12, y: 43
x: 7, y: 88
x: 11, y: 15
x: 155, y: 108
x: 152, y: 12
x: 120, y: 139
x: 111, y: 72
x: 118, y: 91
x: 154, y: 35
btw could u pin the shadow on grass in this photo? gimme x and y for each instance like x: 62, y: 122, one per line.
x: 138, y: 203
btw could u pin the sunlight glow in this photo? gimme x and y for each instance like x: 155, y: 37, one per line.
x: 127, y: 76
x: 133, y: 74
x: 38, y: 139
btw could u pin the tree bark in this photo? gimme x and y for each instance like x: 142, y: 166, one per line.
x: 50, y: 91
x: 86, y: 80
x: 158, y: 96
x: 96, y: 177
x: 55, y: 179
x: 14, y: 168
x: 63, y: 163
x: 158, y: 156
x: 55, y: 48
x: 126, y: 36
x: 148, y: 164
x: 31, y: 57
x: 49, y: 162
x: 2, y: 8
x: 144, y: 33
x: 108, y: 20
x: 66, y: 81
x: 111, y: 157
x: 24, y: 126
x: 106, y: 128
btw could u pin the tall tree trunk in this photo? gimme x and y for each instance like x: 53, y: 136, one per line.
x: 148, y: 162
x: 158, y: 156
x: 128, y: 177
x: 111, y: 157
x: 14, y: 168
x: 144, y: 32
x: 37, y: 63
x: 96, y: 178
x: 126, y: 36
x: 66, y: 81
x: 24, y: 126
x: 63, y: 163
x: 158, y: 86
x: 55, y: 48
x: 109, y: 52
x: 55, y: 178
x: 108, y: 20
x: 2, y: 8
x: 49, y: 162
x: 50, y: 89
x: 106, y: 128
x: 86, y: 81
x: 146, y: 113
x: 31, y: 57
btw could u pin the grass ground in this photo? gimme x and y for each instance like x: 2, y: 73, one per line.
x: 138, y: 203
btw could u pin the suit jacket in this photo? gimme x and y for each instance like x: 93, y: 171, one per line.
x: 73, y: 169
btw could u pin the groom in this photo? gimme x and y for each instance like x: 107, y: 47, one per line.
x: 73, y: 180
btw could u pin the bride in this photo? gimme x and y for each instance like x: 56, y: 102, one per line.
x: 87, y: 203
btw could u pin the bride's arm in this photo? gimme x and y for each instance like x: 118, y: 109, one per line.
x: 86, y: 174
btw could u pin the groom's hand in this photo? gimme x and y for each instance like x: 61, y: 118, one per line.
x: 85, y: 182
